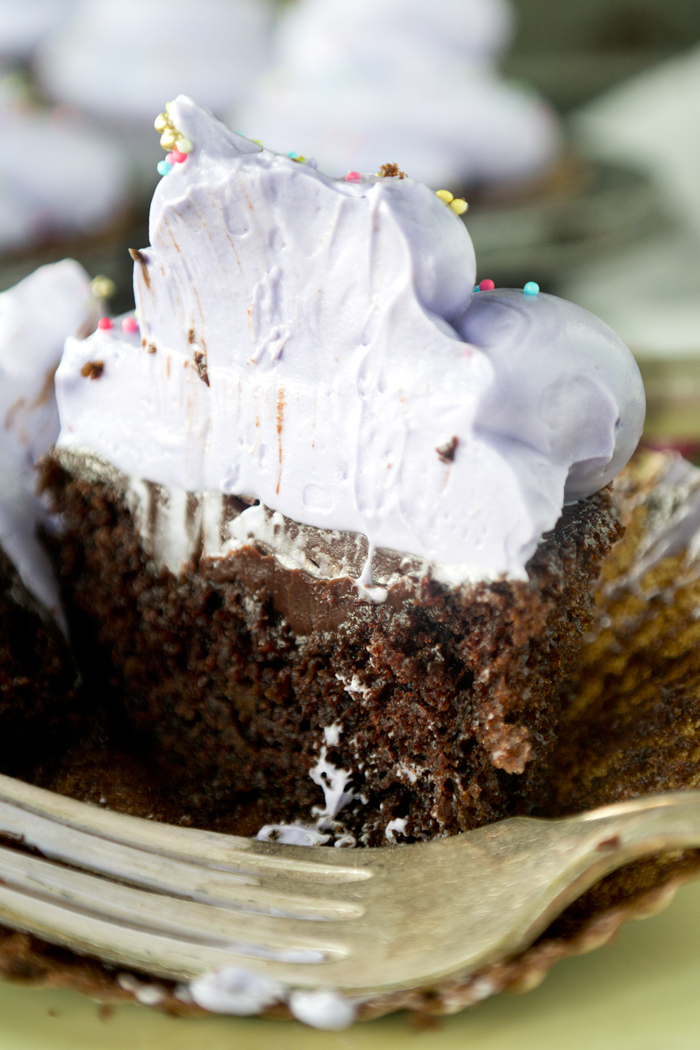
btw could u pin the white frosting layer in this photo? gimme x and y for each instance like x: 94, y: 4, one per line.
x: 359, y: 84
x: 128, y: 57
x: 57, y: 176
x: 35, y: 318
x: 308, y: 348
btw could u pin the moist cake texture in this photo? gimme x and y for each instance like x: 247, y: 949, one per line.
x: 414, y: 716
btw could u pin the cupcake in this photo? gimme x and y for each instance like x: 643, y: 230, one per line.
x: 358, y: 84
x: 332, y: 515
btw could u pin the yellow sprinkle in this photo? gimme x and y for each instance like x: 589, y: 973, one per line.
x: 184, y: 145
x: 167, y: 106
x: 257, y: 142
x: 459, y: 206
x: 102, y: 287
x: 445, y: 196
x: 162, y: 122
x: 169, y: 138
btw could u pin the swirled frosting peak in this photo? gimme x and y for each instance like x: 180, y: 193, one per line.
x: 315, y: 344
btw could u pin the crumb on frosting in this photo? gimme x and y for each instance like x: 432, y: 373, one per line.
x: 92, y: 369
x: 391, y: 171
x: 447, y: 451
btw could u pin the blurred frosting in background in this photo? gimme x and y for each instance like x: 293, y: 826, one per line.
x: 25, y: 23
x: 122, y: 60
x: 361, y: 83
x: 125, y: 58
x: 650, y: 294
x: 58, y: 177
x: 653, y: 120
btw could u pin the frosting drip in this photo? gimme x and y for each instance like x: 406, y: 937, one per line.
x: 314, y: 344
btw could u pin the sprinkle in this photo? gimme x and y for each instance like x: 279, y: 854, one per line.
x: 258, y: 143
x: 130, y: 324
x: 169, y: 158
x: 183, y: 145
x: 459, y: 205
x: 311, y: 162
x: 177, y: 157
x: 486, y: 286
x: 531, y: 288
x: 445, y: 196
x: 167, y: 107
x: 102, y: 287
x: 162, y: 122
x: 163, y: 167
x: 353, y: 176
x: 169, y: 138
x: 104, y: 324
x: 476, y: 288
x: 292, y: 155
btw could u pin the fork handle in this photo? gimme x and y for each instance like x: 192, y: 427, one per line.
x: 646, y: 825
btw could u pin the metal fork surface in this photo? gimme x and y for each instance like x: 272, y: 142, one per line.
x: 179, y: 902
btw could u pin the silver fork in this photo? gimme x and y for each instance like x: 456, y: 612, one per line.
x: 179, y: 902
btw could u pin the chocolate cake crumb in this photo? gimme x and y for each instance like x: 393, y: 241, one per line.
x: 92, y: 369
x: 391, y: 171
x: 200, y: 362
x: 190, y: 336
x: 611, y: 843
x: 447, y: 451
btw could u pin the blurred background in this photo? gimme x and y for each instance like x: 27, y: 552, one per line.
x: 573, y: 131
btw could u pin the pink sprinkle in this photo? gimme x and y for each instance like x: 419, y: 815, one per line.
x: 130, y: 324
x: 104, y: 324
x: 353, y: 176
x: 170, y: 157
x: 486, y: 286
x: 176, y: 157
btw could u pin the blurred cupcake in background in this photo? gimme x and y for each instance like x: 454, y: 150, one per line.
x: 60, y: 180
x: 372, y: 81
x: 121, y: 60
x: 650, y: 294
x: 24, y: 24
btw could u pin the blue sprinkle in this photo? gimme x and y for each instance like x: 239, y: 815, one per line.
x: 531, y: 288
x: 164, y: 167
x: 292, y: 155
x: 476, y: 287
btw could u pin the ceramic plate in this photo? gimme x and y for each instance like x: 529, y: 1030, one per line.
x: 641, y: 993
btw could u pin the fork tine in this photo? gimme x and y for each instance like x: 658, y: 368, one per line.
x: 175, y: 877
x: 187, y: 921
x: 209, y: 849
